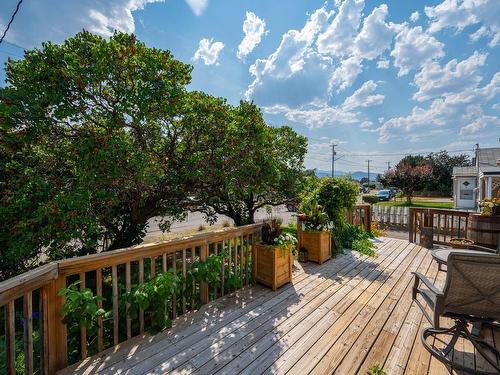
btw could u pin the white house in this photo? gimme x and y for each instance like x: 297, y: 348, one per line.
x: 473, y: 184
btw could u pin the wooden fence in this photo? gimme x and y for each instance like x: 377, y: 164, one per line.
x: 34, y: 331
x: 391, y: 215
x: 445, y: 224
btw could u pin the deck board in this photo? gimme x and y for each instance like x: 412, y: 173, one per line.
x: 341, y: 317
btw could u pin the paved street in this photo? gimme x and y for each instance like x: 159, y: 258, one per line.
x: 195, y: 219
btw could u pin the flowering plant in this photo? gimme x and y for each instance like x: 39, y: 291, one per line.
x: 272, y: 234
x: 316, y: 219
x: 489, y: 206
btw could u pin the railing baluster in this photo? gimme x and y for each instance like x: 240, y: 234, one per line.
x: 216, y: 253
x: 114, y: 277
x: 174, y: 299
x: 100, y: 326
x: 83, y: 329
x: 128, y: 285
x: 141, y: 280
x: 223, y: 266
x: 203, y: 286
x: 184, y: 270
x: 230, y: 258
x: 10, y: 337
x: 152, y: 267
x: 28, y: 333
x: 241, y: 259
x: 254, y: 269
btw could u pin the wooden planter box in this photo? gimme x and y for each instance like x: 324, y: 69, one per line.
x: 273, y: 265
x: 318, y: 245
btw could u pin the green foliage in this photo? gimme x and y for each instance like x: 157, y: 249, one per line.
x: 100, y: 135
x: 370, y: 199
x: 376, y: 369
x: 92, y: 147
x: 252, y: 165
x: 364, y: 246
x: 441, y: 165
x: 153, y: 296
x: 271, y: 230
x: 316, y: 217
x: 81, y: 307
x: 336, y: 196
x: 353, y: 237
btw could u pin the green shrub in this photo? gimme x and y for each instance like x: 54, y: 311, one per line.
x: 350, y: 236
x: 370, y: 199
x: 376, y: 369
x: 364, y: 246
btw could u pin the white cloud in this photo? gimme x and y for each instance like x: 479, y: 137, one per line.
x: 383, y: 64
x: 294, y: 66
x: 197, y: 6
x: 314, y: 116
x: 363, y: 97
x: 375, y: 35
x: 337, y: 39
x: 452, y: 110
x: 458, y: 14
x: 413, y: 48
x: 414, y: 16
x: 479, y: 124
x: 208, y: 51
x: 254, y: 28
x: 346, y: 73
x: 434, y: 80
x: 56, y: 20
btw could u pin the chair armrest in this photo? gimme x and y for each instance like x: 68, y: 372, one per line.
x: 421, y: 278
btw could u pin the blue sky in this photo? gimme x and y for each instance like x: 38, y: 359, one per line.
x: 380, y: 79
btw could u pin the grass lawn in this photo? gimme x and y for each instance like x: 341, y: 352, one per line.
x: 417, y: 203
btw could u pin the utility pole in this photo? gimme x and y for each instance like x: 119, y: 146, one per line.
x: 333, y: 159
x: 368, y: 161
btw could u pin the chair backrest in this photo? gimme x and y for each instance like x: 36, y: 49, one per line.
x: 472, y: 285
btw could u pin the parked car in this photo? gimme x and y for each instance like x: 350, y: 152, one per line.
x: 384, y: 195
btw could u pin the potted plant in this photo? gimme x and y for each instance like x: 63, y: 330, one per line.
x: 461, y: 243
x: 316, y: 237
x: 490, y: 207
x: 273, y: 256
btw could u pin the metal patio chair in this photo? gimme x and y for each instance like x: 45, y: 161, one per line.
x: 471, y: 294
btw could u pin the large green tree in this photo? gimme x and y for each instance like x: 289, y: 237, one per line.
x: 253, y: 165
x: 96, y: 139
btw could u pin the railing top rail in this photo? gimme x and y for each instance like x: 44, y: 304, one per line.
x: 85, y: 263
x: 447, y: 211
x: 17, y: 286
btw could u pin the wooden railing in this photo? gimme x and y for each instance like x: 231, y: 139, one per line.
x: 361, y: 216
x: 446, y: 224
x: 35, y: 293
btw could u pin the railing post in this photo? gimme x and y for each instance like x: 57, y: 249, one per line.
x: 368, y: 218
x: 411, y: 225
x: 54, y: 330
x: 204, y: 285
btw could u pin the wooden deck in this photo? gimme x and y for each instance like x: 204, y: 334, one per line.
x: 339, y: 317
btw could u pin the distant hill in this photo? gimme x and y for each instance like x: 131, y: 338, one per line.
x: 358, y: 175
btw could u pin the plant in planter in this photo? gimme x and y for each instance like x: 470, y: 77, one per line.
x: 490, y: 207
x: 461, y: 243
x: 273, y: 256
x: 316, y: 238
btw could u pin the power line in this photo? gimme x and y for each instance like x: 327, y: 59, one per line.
x: 11, y: 20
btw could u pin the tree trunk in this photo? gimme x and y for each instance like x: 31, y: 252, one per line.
x: 408, y: 199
